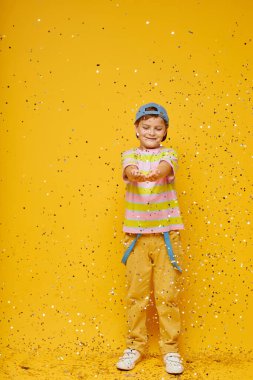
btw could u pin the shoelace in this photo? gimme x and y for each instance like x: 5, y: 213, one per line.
x: 128, y: 355
x: 173, y: 359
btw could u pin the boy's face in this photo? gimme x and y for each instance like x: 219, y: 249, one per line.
x: 151, y: 132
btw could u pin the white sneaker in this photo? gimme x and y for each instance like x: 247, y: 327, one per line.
x: 129, y: 359
x: 173, y: 363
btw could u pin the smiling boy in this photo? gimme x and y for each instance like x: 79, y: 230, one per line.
x: 152, y: 223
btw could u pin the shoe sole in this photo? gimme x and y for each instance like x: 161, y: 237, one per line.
x: 175, y: 373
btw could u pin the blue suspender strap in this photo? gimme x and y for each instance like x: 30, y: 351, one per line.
x: 170, y: 251
x: 129, y: 249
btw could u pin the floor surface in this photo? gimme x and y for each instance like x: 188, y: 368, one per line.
x: 57, y: 366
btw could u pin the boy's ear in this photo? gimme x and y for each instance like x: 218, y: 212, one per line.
x: 165, y: 136
x: 136, y: 130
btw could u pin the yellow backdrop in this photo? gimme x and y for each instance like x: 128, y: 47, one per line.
x: 73, y: 75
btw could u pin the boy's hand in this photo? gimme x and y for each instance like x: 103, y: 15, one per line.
x: 136, y: 176
x: 133, y: 173
x: 163, y: 169
x: 153, y: 175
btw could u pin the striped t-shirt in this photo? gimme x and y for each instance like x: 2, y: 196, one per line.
x: 151, y: 207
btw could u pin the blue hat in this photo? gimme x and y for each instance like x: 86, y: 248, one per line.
x: 160, y: 111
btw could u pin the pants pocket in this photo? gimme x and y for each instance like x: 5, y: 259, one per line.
x: 127, y: 239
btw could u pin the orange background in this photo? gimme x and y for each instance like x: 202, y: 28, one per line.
x: 72, y: 78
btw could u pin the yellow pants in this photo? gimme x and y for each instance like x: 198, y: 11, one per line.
x: 149, y: 260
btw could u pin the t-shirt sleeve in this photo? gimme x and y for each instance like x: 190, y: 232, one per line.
x: 127, y: 158
x: 171, y: 156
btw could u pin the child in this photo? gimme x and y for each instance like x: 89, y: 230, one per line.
x: 151, y: 226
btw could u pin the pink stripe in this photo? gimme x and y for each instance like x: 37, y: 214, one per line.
x: 144, y: 199
x: 154, y: 229
x: 155, y: 215
x: 149, y: 185
x: 142, y: 165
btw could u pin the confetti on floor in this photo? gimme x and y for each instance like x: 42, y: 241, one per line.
x: 58, y: 365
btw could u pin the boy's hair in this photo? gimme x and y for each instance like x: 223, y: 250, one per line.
x: 146, y: 117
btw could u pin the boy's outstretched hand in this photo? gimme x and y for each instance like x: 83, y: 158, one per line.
x: 153, y: 175
x: 163, y: 169
x: 134, y: 174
